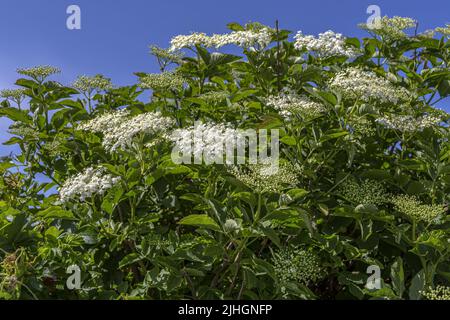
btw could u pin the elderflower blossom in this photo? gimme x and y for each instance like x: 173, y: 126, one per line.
x: 361, y: 126
x: 165, y: 54
x: 103, y: 122
x: 186, y: 41
x: 327, y: 44
x: 408, y: 123
x: 88, y: 84
x: 162, y: 81
x: 427, y: 34
x: 438, y: 293
x: 145, y: 123
x: 444, y: 30
x: 265, y: 177
x: 411, y: 207
x: 390, y: 28
x: 119, y: 129
x: 208, y: 142
x: 85, y: 184
x: 289, y: 104
x: 38, y: 73
x: 25, y: 130
x: 296, y: 265
x: 357, y: 84
x: 245, y: 39
x: 16, y: 95
x: 214, y: 96
x: 366, y: 192
x: 231, y: 226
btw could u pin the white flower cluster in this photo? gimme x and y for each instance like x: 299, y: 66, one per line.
x: 24, y: 130
x: 361, y: 126
x: 414, y: 209
x: 162, y: 81
x: 88, y: 84
x: 207, y: 140
x: 357, y: 84
x: 188, y: 41
x: 407, y: 123
x: 214, y: 96
x: 265, y: 177
x: 103, y: 122
x: 86, y: 184
x: 166, y: 55
x: 390, y: 28
x: 438, y: 293
x: 231, y: 226
x: 289, y: 104
x: 297, y: 265
x: 145, y: 123
x: 366, y: 192
x: 16, y: 95
x: 444, y: 30
x: 119, y: 129
x: 327, y: 44
x: 243, y: 39
x: 38, y: 73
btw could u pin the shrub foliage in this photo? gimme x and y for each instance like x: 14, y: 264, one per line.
x: 364, y: 176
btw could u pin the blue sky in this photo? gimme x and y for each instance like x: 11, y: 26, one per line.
x: 115, y: 34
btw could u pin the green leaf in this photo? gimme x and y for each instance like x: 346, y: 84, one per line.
x: 417, y: 285
x: 289, y: 140
x: 235, y: 26
x: 129, y: 259
x: 297, y: 193
x: 398, y: 276
x: 333, y: 134
x: 200, y: 220
x: 56, y: 213
x: 16, y: 115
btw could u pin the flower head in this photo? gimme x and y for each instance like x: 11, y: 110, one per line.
x: 103, y: 122
x: 390, y: 29
x: 119, y: 128
x: 214, y: 96
x: 88, y: 84
x: 16, y: 95
x: 38, y: 73
x: 444, y: 30
x: 231, y: 225
x: 408, y: 123
x: 207, y: 142
x: 245, y: 38
x: 327, y: 44
x: 290, y: 104
x: 265, y: 177
x: 87, y: 183
x: 166, y: 55
x: 297, y: 265
x: 186, y: 41
x: 414, y: 209
x: 357, y: 84
x: 24, y: 130
x: 365, y: 192
x: 438, y: 293
x: 162, y: 81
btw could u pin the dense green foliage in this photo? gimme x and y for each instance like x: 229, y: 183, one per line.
x: 368, y: 179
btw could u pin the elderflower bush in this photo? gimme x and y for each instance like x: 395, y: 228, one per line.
x: 363, y: 176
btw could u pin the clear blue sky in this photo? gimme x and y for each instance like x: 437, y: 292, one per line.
x: 115, y: 34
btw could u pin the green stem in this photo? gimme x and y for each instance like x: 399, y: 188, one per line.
x: 258, y: 210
